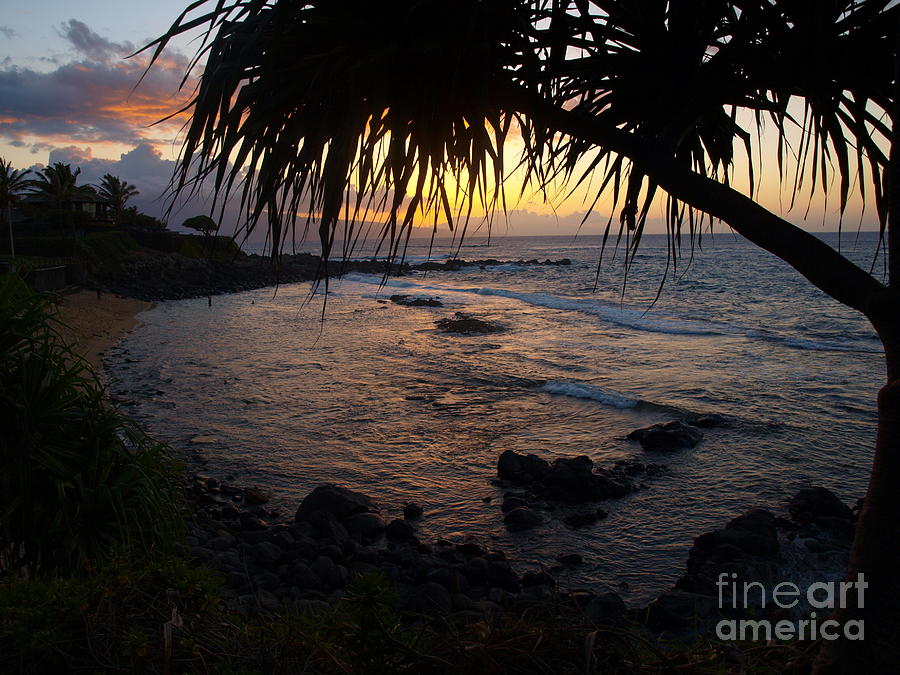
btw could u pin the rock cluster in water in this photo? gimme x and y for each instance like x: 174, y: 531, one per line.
x: 676, y: 434
x: 754, y: 547
x: 568, y: 480
x: 415, y: 301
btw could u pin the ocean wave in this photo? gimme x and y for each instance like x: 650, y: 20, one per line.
x: 629, y: 318
x: 589, y: 391
x: 635, y: 319
x: 851, y: 345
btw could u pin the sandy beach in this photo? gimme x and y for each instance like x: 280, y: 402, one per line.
x: 95, y: 324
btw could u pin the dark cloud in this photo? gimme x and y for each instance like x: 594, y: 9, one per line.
x: 91, y: 101
x: 142, y: 166
x: 91, y: 45
x: 8, y: 32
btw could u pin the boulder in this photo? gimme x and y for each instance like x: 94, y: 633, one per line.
x: 338, y: 501
x: 667, y: 436
x: 810, y: 505
x: 679, y: 609
x: 399, y: 530
x: 521, y: 518
x: 365, y: 525
x: 518, y: 468
x: 254, y: 496
x: 512, y: 502
x: 411, y: 511
x: 467, y: 325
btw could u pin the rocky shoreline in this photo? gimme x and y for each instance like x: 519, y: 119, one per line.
x: 170, y: 276
x: 306, y: 563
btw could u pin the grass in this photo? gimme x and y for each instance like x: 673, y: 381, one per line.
x: 164, y: 615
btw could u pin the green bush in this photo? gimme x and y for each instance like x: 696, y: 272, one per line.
x: 106, y: 248
x: 79, y: 482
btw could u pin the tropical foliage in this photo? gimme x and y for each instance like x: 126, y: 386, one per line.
x: 339, y: 110
x: 203, y: 224
x: 79, y: 482
x: 58, y: 185
x: 116, y: 192
x: 12, y: 185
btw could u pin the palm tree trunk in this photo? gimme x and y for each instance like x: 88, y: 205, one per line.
x: 12, y: 245
x: 876, y: 552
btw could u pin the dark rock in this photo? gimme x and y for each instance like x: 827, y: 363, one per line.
x: 500, y: 574
x: 476, y: 570
x: 451, y: 579
x: 679, y: 609
x: 228, y: 512
x: 707, y: 420
x: 570, y: 558
x: 811, y: 504
x: 399, y: 530
x: 534, y: 596
x: 333, y: 576
x: 255, y: 496
x: 284, y: 539
x: 222, y: 542
x: 521, y: 468
x: 521, y: 518
x: 412, y: 511
x: 467, y: 325
x: 512, y: 502
x: 338, y: 501
x: 366, y: 525
x: 302, y: 576
x: 434, y: 597
x: 251, y: 523
x: 267, y: 580
x: 537, y: 579
x: 267, y: 553
x: 667, y: 436
x: 413, y: 301
x: 327, y: 527
x: 469, y: 549
x: 747, y: 546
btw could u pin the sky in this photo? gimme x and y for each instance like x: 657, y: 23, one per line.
x: 67, y: 94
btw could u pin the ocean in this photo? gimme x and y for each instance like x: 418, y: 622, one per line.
x: 286, y: 391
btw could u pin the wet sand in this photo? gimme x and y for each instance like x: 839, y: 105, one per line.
x: 94, y: 325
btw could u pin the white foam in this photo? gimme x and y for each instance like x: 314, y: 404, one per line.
x: 626, y: 317
x: 589, y: 391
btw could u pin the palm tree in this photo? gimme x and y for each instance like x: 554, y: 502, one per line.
x: 117, y: 192
x: 12, y: 185
x: 345, y: 107
x: 58, y: 185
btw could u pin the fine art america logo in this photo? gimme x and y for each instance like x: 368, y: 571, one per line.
x: 822, y: 597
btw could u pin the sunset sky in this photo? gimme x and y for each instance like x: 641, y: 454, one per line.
x: 67, y: 94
